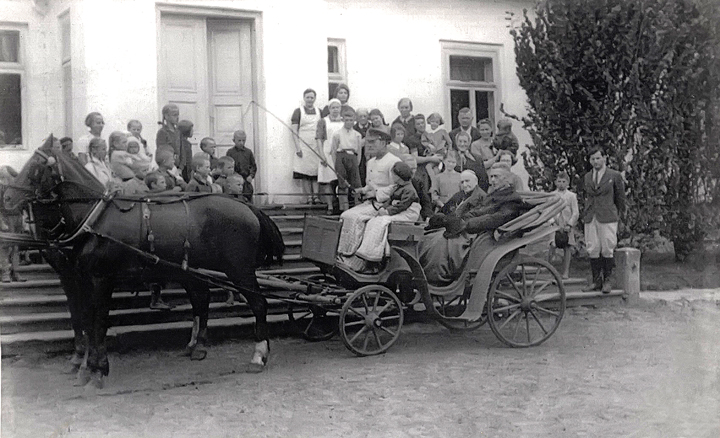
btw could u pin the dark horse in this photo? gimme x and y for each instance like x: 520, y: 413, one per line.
x: 97, y: 239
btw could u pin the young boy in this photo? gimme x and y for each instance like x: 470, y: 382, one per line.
x: 208, y: 146
x: 67, y: 144
x: 566, y: 219
x: 244, y: 162
x: 201, y: 181
x: 346, y: 148
x: 446, y: 183
x: 230, y: 182
x: 505, y: 131
x: 155, y: 182
x: 165, y: 160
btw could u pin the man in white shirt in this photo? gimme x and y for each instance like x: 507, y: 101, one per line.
x: 378, y: 186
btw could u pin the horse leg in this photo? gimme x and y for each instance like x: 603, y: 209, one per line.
x: 258, y: 304
x: 199, y: 294
x: 98, y: 316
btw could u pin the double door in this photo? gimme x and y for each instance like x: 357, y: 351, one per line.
x: 206, y: 69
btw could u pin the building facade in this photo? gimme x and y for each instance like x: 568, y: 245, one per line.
x: 244, y: 64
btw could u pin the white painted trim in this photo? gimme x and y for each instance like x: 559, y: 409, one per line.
x: 20, y: 68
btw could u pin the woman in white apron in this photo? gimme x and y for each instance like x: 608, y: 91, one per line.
x: 326, y: 128
x: 305, y: 164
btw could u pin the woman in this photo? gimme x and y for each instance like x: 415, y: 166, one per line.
x: 96, y: 123
x: 96, y: 165
x: 305, y: 164
x: 342, y: 93
x: 377, y: 120
x: 482, y: 149
x: 327, y: 179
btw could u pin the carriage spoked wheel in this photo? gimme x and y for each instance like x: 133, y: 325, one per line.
x: 527, y: 303
x: 312, y: 321
x: 370, y: 320
x: 448, y: 308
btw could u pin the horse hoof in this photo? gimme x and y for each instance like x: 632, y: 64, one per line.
x: 96, y: 381
x: 83, y: 377
x: 255, y: 368
x: 198, y: 354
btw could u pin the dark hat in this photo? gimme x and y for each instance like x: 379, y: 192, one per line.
x: 402, y: 170
x: 436, y: 221
x: 380, y: 132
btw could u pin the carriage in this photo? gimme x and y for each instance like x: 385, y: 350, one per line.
x: 521, y: 297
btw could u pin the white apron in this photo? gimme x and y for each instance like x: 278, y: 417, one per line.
x: 308, y: 163
x: 325, y: 174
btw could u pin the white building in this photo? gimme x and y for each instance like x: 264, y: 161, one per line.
x: 61, y: 59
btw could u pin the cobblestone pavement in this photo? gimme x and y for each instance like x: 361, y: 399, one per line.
x: 651, y: 370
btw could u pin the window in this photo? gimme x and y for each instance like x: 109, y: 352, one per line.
x: 66, y: 66
x: 336, y: 65
x: 471, y: 74
x: 11, y: 88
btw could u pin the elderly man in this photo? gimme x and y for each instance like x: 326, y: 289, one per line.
x: 468, y: 186
x: 443, y: 251
x: 379, y: 186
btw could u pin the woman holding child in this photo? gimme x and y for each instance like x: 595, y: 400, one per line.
x: 304, y: 123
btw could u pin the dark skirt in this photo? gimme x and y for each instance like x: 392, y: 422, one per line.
x: 297, y: 175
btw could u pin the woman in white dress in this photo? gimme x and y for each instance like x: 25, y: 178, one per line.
x: 304, y: 122
x: 326, y: 128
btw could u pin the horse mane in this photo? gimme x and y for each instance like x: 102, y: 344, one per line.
x: 270, y: 244
x: 71, y: 169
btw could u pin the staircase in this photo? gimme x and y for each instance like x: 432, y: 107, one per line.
x: 34, y: 315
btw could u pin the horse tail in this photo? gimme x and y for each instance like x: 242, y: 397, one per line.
x: 271, y: 246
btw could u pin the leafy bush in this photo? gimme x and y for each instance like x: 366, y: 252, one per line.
x: 642, y: 79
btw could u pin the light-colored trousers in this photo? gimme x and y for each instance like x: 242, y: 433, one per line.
x: 364, y: 233
x: 600, y: 239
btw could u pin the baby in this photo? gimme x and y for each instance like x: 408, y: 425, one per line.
x: 135, y: 129
x: 140, y: 163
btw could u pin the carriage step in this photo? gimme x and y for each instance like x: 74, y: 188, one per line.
x: 174, y: 334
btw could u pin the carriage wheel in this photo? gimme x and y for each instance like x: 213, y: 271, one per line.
x: 454, y: 307
x: 370, y: 320
x: 527, y: 301
x: 312, y: 322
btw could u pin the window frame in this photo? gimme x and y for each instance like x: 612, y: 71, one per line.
x: 341, y: 76
x: 20, y: 69
x: 66, y: 66
x: 474, y: 50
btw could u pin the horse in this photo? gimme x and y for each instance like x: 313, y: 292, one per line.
x: 97, y: 238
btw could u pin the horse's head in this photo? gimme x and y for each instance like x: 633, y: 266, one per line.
x: 38, y: 176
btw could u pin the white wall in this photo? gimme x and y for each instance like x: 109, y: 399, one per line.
x: 393, y: 50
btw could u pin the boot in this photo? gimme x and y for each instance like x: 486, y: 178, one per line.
x: 608, y: 265
x: 597, y: 283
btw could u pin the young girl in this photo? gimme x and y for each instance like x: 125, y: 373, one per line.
x: 396, y: 146
x: 96, y: 165
x: 96, y: 123
x: 168, y: 136
x: 438, y: 135
x: 139, y: 163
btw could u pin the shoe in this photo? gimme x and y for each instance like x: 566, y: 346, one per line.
x: 597, y: 283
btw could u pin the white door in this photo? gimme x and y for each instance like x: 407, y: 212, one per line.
x: 183, y: 70
x: 230, y: 88
x: 206, y: 69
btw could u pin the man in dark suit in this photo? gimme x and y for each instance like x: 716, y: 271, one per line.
x: 465, y: 119
x: 604, y: 203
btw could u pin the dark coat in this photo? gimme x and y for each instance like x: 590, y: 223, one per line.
x: 426, y: 209
x: 496, y: 209
x: 606, y: 201
x: 406, y: 194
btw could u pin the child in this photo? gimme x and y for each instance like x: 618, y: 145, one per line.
x: 201, y: 181
x: 67, y: 144
x: 505, y: 130
x: 184, y: 160
x: 506, y: 157
x: 483, y: 148
x: 141, y: 164
x: 403, y: 205
x: 345, y: 149
x: 244, y: 162
x: 155, y: 182
x: 566, y: 219
x: 438, y: 135
x: 168, y: 136
x: 11, y: 221
x: 447, y: 183
x: 207, y: 148
x: 396, y: 146
x: 165, y: 160
x: 135, y: 129
x: 230, y: 182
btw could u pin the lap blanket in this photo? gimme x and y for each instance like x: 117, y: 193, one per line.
x: 443, y: 259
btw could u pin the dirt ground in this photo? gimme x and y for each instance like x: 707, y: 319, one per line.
x: 650, y: 370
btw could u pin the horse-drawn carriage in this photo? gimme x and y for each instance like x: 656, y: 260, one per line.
x: 92, y: 238
x: 520, y: 296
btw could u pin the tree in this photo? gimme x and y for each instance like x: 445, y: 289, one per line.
x: 642, y: 79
